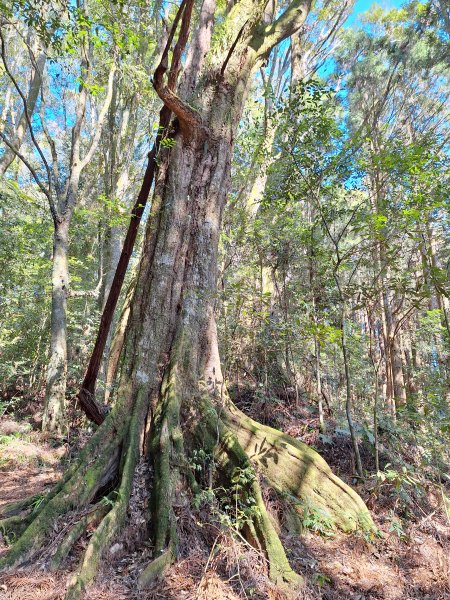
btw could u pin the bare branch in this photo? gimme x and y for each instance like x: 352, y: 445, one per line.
x: 52, y: 145
x: 27, y: 116
x: 101, y: 118
x: 20, y: 156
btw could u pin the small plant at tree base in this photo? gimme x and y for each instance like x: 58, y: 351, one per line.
x: 38, y: 501
x: 240, y: 507
x: 318, y: 521
x: 320, y: 579
x: 397, y: 527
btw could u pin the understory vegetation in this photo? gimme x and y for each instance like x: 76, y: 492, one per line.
x: 224, y: 300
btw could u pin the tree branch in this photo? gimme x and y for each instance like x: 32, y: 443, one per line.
x: 20, y: 156
x: 190, y: 120
x: 286, y: 25
x: 101, y: 119
x: 52, y: 145
x: 48, y: 192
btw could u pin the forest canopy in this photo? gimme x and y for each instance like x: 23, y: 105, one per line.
x: 224, y: 299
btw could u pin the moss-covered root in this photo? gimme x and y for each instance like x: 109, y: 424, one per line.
x: 13, y: 527
x: 297, y: 471
x: 167, y: 454
x: 166, y: 449
x: 75, y: 532
x: 9, y: 510
x: 229, y: 455
x: 156, y: 568
x: 97, y: 464
x: 115, y: 518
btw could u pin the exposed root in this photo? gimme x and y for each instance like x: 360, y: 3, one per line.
x: 74, y: 534
x: 14, y: 526
x: 167, y: 452
x: 234, y: 442
x: 9, y: 510
x: 229, y: 456
x: 155, y: 569
x: 298, y: 472
x: 78, y: 488
x: 115, y: 518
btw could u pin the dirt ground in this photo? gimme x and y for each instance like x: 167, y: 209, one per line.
x: 28, y: 465
x: 407, y: 562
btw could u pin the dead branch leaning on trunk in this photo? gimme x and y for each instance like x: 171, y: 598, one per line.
x: 86, y: 395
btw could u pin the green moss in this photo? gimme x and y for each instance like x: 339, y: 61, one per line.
x: 76, y: 489
x: 293, y: 468
x: 115, y: 518
x: 155, y: 569
x: 230, y: 456
x: 13, y: 527
x: 16, y: 507
x: 168, y: 454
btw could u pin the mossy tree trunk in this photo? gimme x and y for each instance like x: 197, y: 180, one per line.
x: 170, y: 397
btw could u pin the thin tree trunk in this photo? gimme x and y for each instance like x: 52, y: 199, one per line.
x: 117, y: 344
x: 6, y: 107
x: 27, y: 112
x: 397, y: 372
x: 54, y: 407
x: 54, y: 419
x: 319, y: 385
x: 348, y: 396
x: 440, y: 299
x: 375, y: 423
x: 111, y: 256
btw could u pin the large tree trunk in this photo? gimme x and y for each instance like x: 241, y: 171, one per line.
x: 171, y: 399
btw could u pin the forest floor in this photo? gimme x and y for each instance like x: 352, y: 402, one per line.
x: 410, y: 559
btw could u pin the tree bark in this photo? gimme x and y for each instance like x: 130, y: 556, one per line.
x: 397, y: 373
x: 54, y: 419
x: 86, y: 394
x: 348, y: 393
